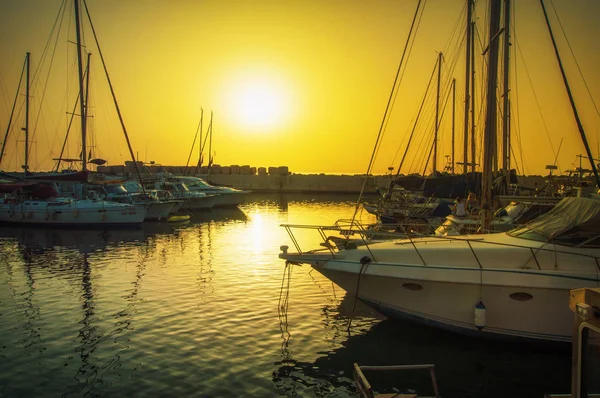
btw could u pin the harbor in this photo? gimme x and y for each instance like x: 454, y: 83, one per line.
x: 196, y: 310
x: 281, y: 178
x: 322, y: 226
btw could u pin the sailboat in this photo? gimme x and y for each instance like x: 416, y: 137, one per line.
x: 510, y: 285
x: 36, y: 199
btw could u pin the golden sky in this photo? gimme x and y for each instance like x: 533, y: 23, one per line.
x: 297, y: 83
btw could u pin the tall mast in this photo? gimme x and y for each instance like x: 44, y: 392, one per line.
x: 437, y: 114
x: 505, y: 102
x: 82, y: 108
x: 571, y: 100
x: 491, y: 114
x: 473, y: 141
x: 87, y: 87
x: 200, y: 143
x: 26, y: 165
x: 210, y: 158
x: 467, y: 81
x: 453, y: 118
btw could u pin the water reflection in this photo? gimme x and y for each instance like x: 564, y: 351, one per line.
x: 465, y: 367
x: 140, y: 312
x: 31, y: 311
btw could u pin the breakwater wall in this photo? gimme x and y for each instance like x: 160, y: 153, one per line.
x: 262, y: 179
x: 277, y: 179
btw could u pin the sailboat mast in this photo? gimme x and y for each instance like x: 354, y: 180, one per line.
x: 82, y: 109
x: 437, y: 114
x: 210, y: 158
x: 200, y: 143
x: 453, y: 118
x: 505, y: 104
x: 87, y: 88
x: 491, y: 114
x: 26, y: 165
x: 473, y: 141
x: 467, y: 82
x: 571, y: 100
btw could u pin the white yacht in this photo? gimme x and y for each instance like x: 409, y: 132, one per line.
x: 156, y: 209
x: 509, y: 285
x: 224, y: 196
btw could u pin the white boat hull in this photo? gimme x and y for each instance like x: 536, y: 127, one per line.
x: 525, y: 288
x: 157, y: 211
x: 229, y: 199
x: 198, y: 202
x: 84, y: 214
x: 451, y: 305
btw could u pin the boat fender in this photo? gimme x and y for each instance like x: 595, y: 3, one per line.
x: 480, y: 313
x: 365, y: 260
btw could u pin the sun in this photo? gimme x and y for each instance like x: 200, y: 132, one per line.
x: 258, y: 103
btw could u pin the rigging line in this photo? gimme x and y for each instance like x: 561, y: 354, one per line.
x: 424, y: 124
x: 112, y: 91
x: 516, y: 94
x: 12, y: 113
x: 57, y: 23
x: 193, y: 144
x: 410, y: 48
x: 459, y: 22
x: 3, y: 89
x: 574, y: 58
x: 379, y: 135
x: 442, y: 113
x: 416, y: 121
x: 537, y: 102
x: 511, y: 149
x: 406, y: 54
x: 62, y: 151
x: 571, y: 100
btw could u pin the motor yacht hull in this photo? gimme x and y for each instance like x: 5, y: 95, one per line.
x: 512, y: 311
x: 232, y: 199
x: 440, y: 281
x: 197, y: 203
x: 158, y: 211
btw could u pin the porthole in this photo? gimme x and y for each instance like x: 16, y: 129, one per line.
x: 412, y: 286
x: 520, y: 296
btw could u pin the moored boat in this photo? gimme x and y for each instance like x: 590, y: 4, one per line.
x: 67, y: 212
x: 505, y: 285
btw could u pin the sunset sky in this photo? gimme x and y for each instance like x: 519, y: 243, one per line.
x: 298, y: 83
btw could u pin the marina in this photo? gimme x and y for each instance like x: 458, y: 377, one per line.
x: 194, y: 310
x: 126, y: 270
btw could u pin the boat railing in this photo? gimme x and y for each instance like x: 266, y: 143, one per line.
x: 348, y: 228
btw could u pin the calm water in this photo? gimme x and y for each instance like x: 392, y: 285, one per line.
x: 193, y: 310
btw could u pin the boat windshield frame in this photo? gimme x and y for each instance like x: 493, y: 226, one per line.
x: 573, y: 238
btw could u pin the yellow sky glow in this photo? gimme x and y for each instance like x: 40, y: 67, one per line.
x: 303, y: 84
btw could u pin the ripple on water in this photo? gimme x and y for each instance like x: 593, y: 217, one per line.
x: 195, y: 310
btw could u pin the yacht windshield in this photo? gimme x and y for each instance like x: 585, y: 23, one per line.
x: 196, y: 182
x: 527, y: 233
x: 115, y: 189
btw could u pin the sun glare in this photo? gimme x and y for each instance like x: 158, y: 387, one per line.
x: 258, y: 104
